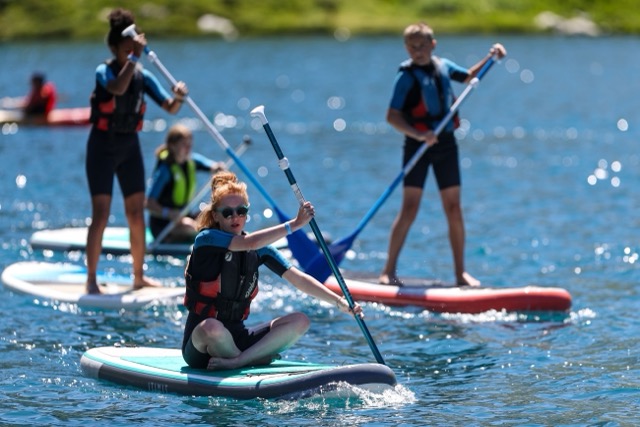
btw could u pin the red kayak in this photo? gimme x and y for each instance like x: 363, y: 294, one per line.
x: 440, y: 297
x: 69, y: 116
x: 57, y: 117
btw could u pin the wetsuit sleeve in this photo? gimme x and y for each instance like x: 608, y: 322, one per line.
x: 401, y: 87
x: 456, y: 72
x: 104, y: 75
x: 274, y: 260
x: 153, y: 88
x: 213, y: 237
x: 203, y: 163
x: 160, y: 179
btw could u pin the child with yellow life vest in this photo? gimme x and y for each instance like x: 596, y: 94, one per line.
x: 173, y: 184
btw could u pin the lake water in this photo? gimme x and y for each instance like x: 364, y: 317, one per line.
x: 550, y: 172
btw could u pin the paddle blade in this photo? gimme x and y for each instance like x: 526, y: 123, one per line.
x: 303, y: 249
x: 319, y: 268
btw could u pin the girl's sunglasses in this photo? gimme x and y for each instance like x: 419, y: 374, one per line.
x: 227, y: 212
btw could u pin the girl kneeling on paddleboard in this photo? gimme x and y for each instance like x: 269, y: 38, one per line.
x: 222, y: 280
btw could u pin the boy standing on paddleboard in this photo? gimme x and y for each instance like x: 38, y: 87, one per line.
x: 422, y: 96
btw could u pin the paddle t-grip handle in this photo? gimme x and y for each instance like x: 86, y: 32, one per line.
x: 130, y: 31
x: 259, y: 113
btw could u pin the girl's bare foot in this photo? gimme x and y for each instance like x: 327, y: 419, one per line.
x: 146, y: 282
x: 92, y: 288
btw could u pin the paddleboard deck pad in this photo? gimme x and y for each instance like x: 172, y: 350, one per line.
x: 164, y: 370
x: 115, y: 241
x: 438, y: 296
x: 65, y: 283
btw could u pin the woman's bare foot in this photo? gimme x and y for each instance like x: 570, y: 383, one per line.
x: 389, y: 279
x: 468, y: 280
x: 220, y: 363
x: 267, y: 360
x: 146, y: 282
x: 92, y: 288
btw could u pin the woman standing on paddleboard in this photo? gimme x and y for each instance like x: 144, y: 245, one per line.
x: 222, y: 280
x: 113, y: 149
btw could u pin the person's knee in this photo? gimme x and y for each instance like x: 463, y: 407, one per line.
x: 99, y: 219
x: 209, y: 330
x: 299, y: 321
x: 453, y: 209
x: 410, y: 205
x: 409, y: 213
x: 134, y: 212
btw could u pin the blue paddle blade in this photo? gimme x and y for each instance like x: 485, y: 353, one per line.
x: 302, y: 248
x: 319, y: 268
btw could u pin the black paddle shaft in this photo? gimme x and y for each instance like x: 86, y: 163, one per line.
x: 284, y: 165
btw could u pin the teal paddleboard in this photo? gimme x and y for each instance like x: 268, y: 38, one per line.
x: 115, y: 241
x: 163, y: 370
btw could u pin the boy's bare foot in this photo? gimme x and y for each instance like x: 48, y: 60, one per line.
x: 468, y: 280
x: 389, y: 279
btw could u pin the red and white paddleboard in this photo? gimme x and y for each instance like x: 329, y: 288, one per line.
x: 441, y: 297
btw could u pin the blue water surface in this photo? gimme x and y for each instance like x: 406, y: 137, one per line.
x: 550, y: 172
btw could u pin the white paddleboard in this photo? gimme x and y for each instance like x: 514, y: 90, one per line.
x: 11, y: 116
x: 65, y: 283
x: 163, y: 370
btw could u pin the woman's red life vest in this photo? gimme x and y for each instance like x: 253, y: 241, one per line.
x: 228, y: 297
x: 122, y: 113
